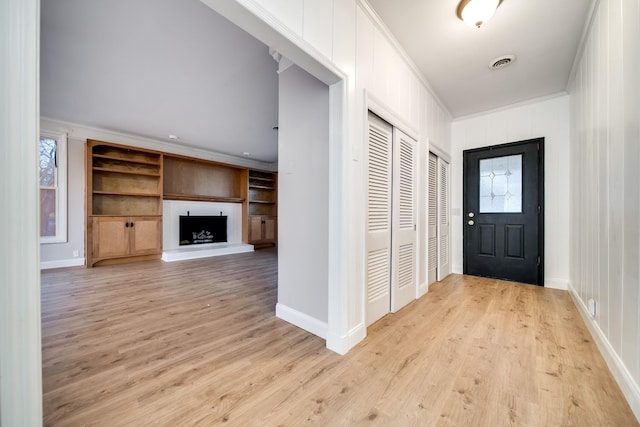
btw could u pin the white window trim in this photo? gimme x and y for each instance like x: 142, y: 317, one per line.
x: 61, y: 196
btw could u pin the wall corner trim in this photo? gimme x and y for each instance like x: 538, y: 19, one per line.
x: 630, y: 388
x: 555, y: 283
x: 302, y: 320
x: 342, y: 344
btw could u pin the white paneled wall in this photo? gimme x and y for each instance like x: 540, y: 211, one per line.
x: 347, y: 35
x: 20, y: 339
x: 345, y: 31
x: 605, y: 193
x: 546, y: 118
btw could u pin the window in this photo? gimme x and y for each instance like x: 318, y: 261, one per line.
x: 501, y: 184
x: 53, y: 187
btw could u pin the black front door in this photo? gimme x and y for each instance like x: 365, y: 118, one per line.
x: 504, y: 211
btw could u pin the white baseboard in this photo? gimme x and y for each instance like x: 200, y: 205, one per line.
x: 628, y: 385
x: 456, y: 269
x: 302, y: 320
x: 341, y: 344
x: 60, y: 263
x: 552, y: 283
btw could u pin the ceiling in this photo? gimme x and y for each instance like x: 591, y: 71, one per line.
x: 543, y: 34
x: 156, y: 68
x: 159, y: 67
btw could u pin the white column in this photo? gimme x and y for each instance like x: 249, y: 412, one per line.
x: 20, y: 357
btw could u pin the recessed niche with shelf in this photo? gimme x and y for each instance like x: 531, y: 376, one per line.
x: 263, y: 198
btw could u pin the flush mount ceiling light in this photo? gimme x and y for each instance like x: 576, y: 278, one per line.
x: 476, y: 13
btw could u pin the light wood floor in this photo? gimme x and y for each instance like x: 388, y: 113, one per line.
x: 196, y: 343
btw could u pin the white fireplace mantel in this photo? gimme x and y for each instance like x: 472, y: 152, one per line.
x: 171, y: 211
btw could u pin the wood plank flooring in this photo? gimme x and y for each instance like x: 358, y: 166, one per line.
x: 197, y: 343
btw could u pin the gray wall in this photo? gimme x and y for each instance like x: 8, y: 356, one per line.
x: 303, y: 194
x: 59, y: 254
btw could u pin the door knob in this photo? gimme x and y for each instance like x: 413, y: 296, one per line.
x: 470, y: 222
x: 471, y: 214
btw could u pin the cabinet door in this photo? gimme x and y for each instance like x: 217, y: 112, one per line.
x: 255, y: 228
x: 110, y: 237
x: 269, y: 230
x: 146, y: 235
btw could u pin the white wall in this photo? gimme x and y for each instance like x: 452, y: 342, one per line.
x: 303, y: 200
x: 343, y: 43
x: 545, y: 118
x: 605, y: 195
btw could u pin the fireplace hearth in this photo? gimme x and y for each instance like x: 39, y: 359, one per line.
x: 198, y: 230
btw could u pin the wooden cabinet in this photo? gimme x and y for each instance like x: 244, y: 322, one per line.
x: 262, y: 201
x: 116, y: 236
x: 124, y: 203
x: 262, y: 230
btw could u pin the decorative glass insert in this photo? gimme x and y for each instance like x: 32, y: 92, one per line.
x: 501, y: 184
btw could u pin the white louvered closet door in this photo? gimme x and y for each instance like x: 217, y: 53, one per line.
x: 432, y: 220
x: 404, y: 235
x: 378, y: 241
x: 444, y: 266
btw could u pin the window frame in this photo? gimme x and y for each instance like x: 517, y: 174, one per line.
x: 61, y: 187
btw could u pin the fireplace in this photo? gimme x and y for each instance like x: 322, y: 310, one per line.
x: 198, y: 230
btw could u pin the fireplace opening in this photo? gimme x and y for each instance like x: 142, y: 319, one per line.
x: 198, y: 230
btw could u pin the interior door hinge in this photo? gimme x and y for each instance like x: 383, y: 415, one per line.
x: 539, y: 209
x: 539, y: 260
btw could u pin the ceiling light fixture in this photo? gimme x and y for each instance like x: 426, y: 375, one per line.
x: 476, y: 13
x: 174, y: 137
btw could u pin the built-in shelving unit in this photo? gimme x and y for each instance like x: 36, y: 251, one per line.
x: 262, y: 209
x: 200, y: 180
x: 126, y: 187
x: 124, y: 203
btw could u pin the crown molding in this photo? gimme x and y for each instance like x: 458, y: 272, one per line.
x: 386, y: 32
x: 595, y: 4
x: 510, y: 106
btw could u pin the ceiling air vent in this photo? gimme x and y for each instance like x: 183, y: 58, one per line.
x: 502, y: 61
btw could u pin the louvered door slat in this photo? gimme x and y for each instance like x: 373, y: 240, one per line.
x: 406, y: 185
x: 444, y: 266
x: 378, y: 244
x: 432, y: 219
x: 403, y: 282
